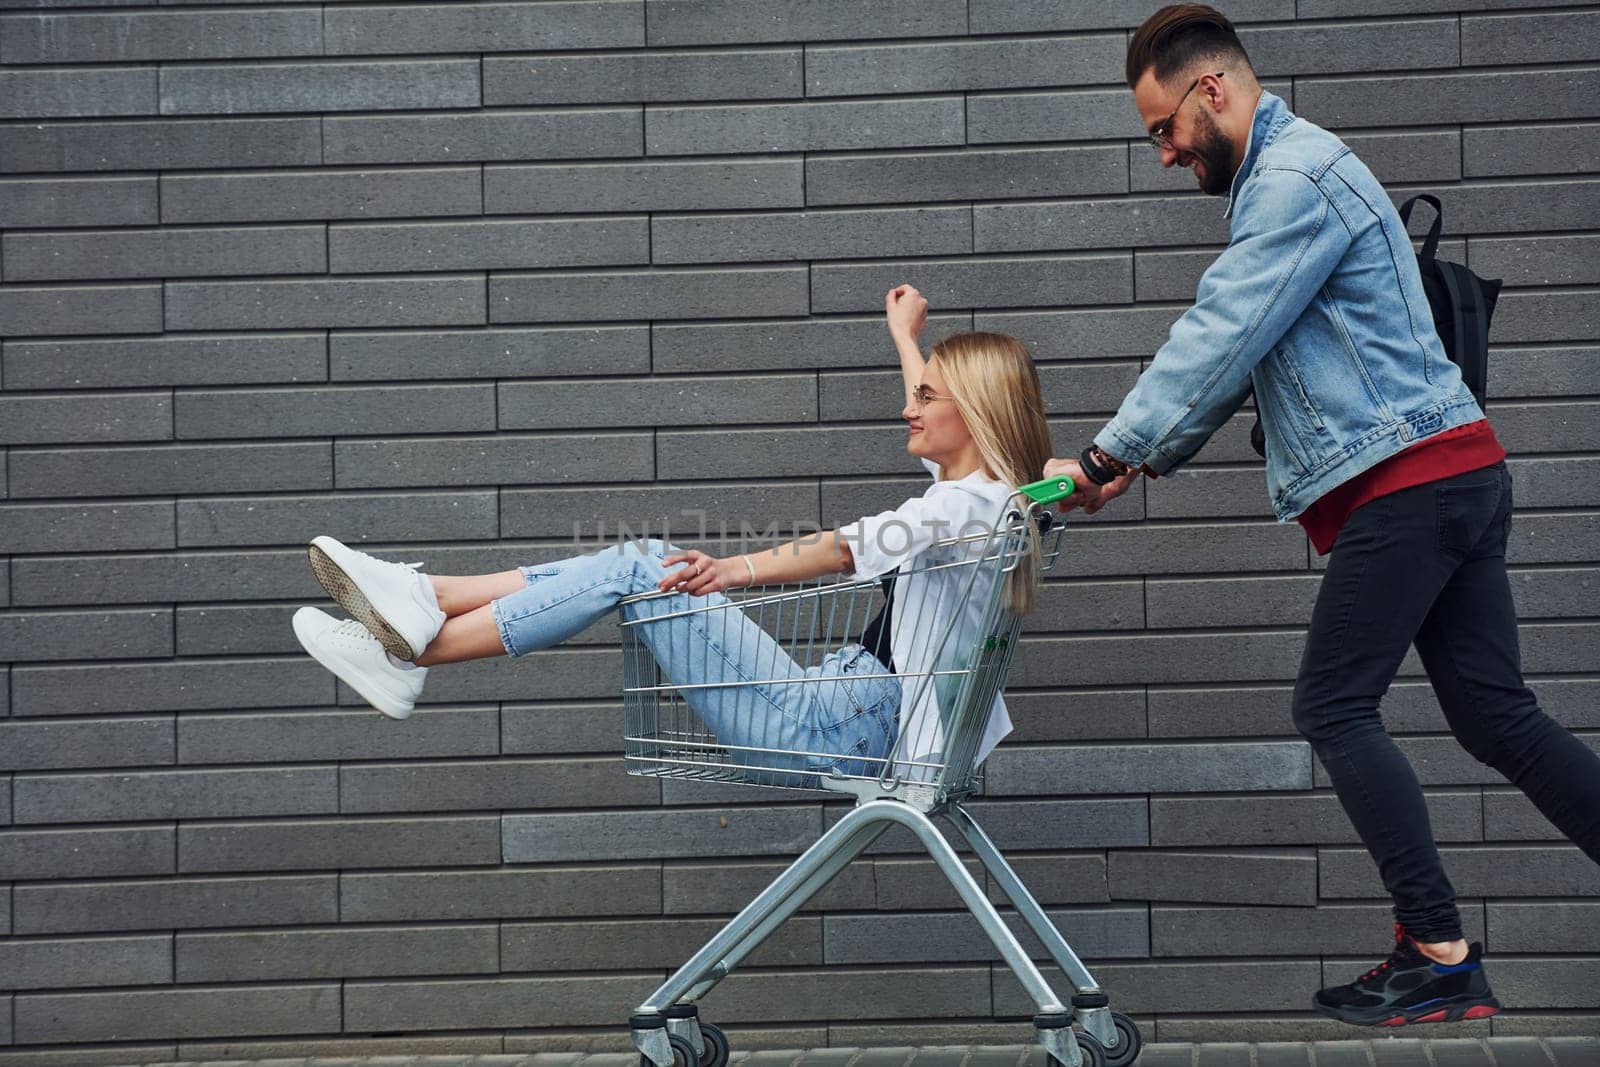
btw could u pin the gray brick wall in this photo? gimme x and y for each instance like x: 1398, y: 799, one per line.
x: 446, y: 279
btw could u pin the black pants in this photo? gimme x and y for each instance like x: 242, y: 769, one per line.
x: 1427, y: 565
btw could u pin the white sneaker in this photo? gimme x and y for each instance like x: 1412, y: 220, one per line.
x: 349, y: 651
x: 386, y: 598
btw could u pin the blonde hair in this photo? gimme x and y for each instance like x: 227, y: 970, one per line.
x: 994, y: 384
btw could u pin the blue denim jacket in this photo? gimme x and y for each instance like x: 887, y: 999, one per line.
x: 1318, y: 304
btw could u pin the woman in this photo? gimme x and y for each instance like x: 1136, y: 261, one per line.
x: 976, y: 420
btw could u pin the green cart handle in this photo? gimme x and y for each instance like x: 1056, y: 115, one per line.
x: 1049, y: 490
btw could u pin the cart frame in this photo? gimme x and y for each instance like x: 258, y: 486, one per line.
x: 1079, y: 1030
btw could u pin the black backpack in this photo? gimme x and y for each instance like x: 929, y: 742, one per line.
x: 1462, y: 304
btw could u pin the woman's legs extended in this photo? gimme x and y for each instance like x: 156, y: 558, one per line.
x: 470, y: 630
x: 738, y: 679
x: 459, y: 594
x: 471, y: 635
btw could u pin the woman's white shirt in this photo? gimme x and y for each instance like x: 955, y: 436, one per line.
x: 926, y: 602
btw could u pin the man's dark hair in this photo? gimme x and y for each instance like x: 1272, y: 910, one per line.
x: 1179, y: 36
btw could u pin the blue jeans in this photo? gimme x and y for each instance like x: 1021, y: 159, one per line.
x: 845, y: 717
x: 1427, y: 565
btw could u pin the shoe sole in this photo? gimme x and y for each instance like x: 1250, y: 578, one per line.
x: 349, y: 596
x: 385, y: 704
x: 1451, y: 1011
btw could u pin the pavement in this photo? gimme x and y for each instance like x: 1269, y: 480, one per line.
x: 1383, y: 1052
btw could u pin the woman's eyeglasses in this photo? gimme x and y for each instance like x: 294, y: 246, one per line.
x: 922, y: 396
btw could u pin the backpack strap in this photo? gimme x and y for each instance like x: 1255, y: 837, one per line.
x: 1431, y: 244
x: 1471, y: 315
x: 878, y: 636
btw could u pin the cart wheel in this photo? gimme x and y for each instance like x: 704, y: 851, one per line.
x: 683, y: 1054
x: 715, y: 1053
x: 1094, y: 1053
x: 1129, y: 1041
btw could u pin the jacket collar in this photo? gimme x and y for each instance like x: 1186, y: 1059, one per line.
x: 1271, y: 116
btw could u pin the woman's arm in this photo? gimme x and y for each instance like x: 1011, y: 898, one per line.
x: 827, y: 553
x: 907, y: 312
x: 806, y: 557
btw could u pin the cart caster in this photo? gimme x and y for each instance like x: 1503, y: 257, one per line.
x: 1056, y: 1034
x: 683, y: 1053
x: 1093, y: 1053
x: 1128, y: 1043
x: 714, y: 1052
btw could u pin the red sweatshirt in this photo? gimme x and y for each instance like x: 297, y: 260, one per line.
x: 1465, y: 448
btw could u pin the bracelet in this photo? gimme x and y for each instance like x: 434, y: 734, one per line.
x: 1113, y: 464
x: 1093, y: 469
x: 751, y: 567
x: 1100, y: 468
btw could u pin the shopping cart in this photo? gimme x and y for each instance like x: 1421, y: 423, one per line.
x: 667, y: 739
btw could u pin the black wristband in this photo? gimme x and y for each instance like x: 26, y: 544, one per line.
x: 1093, y: 469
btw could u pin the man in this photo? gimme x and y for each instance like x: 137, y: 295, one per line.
x: 1377, y: 448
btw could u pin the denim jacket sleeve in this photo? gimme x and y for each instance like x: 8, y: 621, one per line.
x: 1287, y: 239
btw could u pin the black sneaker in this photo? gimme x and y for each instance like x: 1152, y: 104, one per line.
x: 1408, y: 987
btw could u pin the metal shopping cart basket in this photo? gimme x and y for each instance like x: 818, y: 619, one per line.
x: 667, y: 739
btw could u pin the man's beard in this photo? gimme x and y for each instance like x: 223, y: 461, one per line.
x: 1213, y: 149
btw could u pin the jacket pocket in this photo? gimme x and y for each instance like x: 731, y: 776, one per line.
x: 1309, y: 409
x: 1283, y: 414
